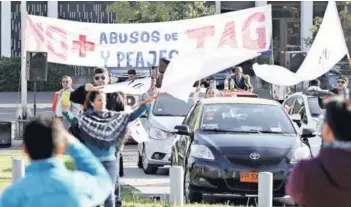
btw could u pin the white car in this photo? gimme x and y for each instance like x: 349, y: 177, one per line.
x: 165, y: 113
x: 305, y: 110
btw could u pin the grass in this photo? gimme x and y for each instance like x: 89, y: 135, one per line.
x: 129, y: 199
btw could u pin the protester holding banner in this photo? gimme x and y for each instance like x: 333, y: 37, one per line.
x: 115, y: 102
x: 48, y: 182
x: 103, y: 131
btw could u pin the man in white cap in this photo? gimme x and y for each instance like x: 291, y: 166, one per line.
x: 238, y: 80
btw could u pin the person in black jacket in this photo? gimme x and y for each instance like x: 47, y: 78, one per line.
x: 115, y: 102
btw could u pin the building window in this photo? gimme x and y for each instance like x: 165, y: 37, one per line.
x: 286, y: 27
x: 285, y: 9
x: 319, y: 8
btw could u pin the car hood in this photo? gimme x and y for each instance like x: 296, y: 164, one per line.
x: 272, y: 148
x: 165, y: 123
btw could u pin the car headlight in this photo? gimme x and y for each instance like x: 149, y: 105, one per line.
x: 300, y: 153
x: 158, y: 134
x: 201, y: 151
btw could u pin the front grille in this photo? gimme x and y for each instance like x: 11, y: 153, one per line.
x: 267, y: 161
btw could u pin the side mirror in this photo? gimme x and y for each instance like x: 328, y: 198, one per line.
x: 182, y: 130
x: 308, y: 133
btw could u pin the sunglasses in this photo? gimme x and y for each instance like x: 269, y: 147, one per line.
x: 341, y: 82
x: 98, y: 77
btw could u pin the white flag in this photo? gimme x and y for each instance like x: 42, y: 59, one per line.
x: 185, y: 69
x: 328, y: 48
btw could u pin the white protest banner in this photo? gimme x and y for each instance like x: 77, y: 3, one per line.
x: 141, y: 45
x: 185, y: 69
x: 328, y: 48
x: 137, y: 87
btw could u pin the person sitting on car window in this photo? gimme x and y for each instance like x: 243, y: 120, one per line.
x: 210, y: 93
x: 238, y: 80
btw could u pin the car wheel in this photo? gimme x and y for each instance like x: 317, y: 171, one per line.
x: 190, y: 197
x: 140, y: 161
x: 148, y: 168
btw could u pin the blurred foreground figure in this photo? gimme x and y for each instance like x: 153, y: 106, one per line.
x: 47, y: 181
x: 325, y: 181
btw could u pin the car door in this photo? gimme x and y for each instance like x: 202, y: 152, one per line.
x: 177, y: 144
x: 184, y: 140
x: 300, y: 108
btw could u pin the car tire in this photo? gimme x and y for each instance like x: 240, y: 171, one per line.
x: 147, y: 168
x: 189, y: 196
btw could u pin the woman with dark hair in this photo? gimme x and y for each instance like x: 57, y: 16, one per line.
x: 324, y: 181
x: 103, y: 130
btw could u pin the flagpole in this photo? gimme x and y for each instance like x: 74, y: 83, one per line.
x: 24, y: 114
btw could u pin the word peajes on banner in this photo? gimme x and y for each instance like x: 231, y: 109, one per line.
x: 141, y: 45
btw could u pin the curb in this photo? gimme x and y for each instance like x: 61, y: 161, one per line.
x: 135, y: 191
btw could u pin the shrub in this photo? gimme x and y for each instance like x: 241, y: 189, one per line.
x: 10, y: 71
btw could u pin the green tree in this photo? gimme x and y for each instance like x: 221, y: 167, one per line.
x: 158, y: 11
x: 345, y: 17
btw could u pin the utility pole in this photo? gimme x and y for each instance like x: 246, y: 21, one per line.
x: 218, y: 7
x: 22, y: 112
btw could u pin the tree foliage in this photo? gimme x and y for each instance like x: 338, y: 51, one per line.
x: 158, y: 11
x: 345, y: 17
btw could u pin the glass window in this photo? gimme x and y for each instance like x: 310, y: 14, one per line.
x: 285, y: 9
x: 193, y: 118
x: 244, y: 118
x: 167, y: 105
x: 289, y: 102
x: 298, y: 106
x: 319, y: 8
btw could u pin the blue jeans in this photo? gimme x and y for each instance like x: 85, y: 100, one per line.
x: 111, y: 168
x: 117, y: 185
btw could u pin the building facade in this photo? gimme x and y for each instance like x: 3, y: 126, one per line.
x: 292, y: 20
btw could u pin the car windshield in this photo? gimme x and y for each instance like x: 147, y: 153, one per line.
x: 167, y: 105
x: 246, y: 118
x: 314, y: 107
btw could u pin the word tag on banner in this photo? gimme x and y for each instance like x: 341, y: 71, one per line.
x: 142, y: 45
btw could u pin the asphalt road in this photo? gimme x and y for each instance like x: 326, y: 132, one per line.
x: 153, y: 186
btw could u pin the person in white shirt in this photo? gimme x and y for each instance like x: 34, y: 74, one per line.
x: 74, y: 108
x: 280, y: 93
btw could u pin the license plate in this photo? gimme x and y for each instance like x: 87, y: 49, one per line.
x: 248, y: 177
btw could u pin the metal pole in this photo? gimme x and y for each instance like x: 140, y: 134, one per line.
x: 23, y: 60
x: 265, y: 189
x: 17, y: 169
x: 176, y: 181
x: 218, y: 7
x: 35, y: 98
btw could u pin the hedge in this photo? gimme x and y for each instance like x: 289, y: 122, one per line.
x: 10, y: 69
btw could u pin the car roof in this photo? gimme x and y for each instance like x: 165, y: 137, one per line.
x: 238, y: 100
